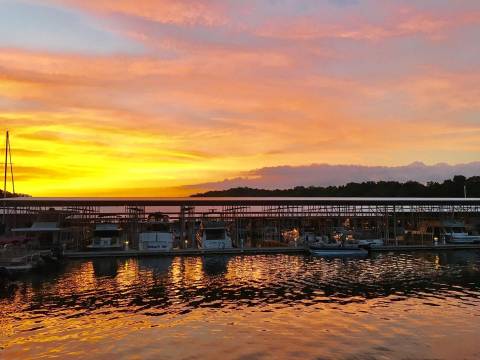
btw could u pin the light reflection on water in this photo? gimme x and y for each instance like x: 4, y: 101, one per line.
x: 388, y: 306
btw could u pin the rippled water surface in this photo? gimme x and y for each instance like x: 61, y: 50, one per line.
x: 402, y: 306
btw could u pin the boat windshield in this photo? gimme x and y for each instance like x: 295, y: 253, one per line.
x: 215, y: 234
x: 455, y: 230
x: 164, y: 227
x: 106, y: 233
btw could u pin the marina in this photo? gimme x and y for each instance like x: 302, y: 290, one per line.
x: 56, y: 231
x: 110, y: 227
x: 78, y: 223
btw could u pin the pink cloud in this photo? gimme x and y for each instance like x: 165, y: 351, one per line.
x: 185, y: 12
x: 283, y: 177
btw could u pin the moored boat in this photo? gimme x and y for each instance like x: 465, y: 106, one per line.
x: 27, y: 262
x: 213, y: 235
x: 340, y: 244
x: 451, y: 231
x: 337, y: 250
x: 157, y: 235
x: 456, y: 233
x: 106, y: 237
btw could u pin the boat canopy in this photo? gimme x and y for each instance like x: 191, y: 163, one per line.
x: 213, y: 224
x: 40, y: 227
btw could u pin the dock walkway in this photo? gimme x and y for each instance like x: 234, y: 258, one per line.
x: 184, y: 252
x: 256, y: 251
x: 439, y: 247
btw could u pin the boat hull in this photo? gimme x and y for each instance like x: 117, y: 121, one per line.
x: 217, y: 244
x: 18, y: 269
x: 104, y: 248
x: 339, y: 252
x: 368, y: 243
x: 155, y: 241
x: 463, y: 240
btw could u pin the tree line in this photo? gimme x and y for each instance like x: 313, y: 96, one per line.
x: 9, y: 194
x: 449, y: 188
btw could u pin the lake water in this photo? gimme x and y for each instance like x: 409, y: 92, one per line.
x: 389, y: 306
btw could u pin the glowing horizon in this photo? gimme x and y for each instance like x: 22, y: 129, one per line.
x: 148, y: 98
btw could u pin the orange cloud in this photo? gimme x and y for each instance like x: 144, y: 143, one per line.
x: 189, y: 12
x: 87, y: 141
x: 401, y: 23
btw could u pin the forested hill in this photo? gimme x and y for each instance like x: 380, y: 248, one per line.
x: 9, y: 194
x: 448, y: 188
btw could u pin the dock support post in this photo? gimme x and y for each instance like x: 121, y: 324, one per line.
x: 386, y: 225
x: 395, y: 225
x: 182, y: 227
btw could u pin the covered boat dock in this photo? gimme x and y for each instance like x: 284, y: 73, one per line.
x: 259, y: 221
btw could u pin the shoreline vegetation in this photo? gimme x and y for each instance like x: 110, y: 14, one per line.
x: 10, y: 195
x: 453, y: 188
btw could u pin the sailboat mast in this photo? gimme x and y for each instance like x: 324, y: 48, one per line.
x: 11, y: 164
x: 5, y: 180
x: 5, y: 167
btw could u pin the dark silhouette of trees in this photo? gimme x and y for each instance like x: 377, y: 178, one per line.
x: 9, y: 194
x: 449, y: 188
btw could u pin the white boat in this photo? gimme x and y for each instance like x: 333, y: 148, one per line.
x: 24, y: 263
x: 158, y: 235
x: 337, y: 250
x: 213, y: 235
x: 459, y: 235
x: 454, y: 231
x: 370, y: 242
x: 450, y: 231
x: 311, y: 237
x: 106, y: 237
x: 340, y: 244
x: 367, y: 238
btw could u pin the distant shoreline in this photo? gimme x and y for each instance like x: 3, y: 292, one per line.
x: 459, y: 186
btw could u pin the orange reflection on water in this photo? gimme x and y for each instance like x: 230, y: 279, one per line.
x: 187, y: 270
x: 80, y: 281
x: 249, y: 269
x: 234, y: 307
x: 128, y: 273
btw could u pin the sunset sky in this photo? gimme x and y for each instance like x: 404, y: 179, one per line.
x: 145, y: 97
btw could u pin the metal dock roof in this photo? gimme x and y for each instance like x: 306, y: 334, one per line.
x: 232, y: 201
